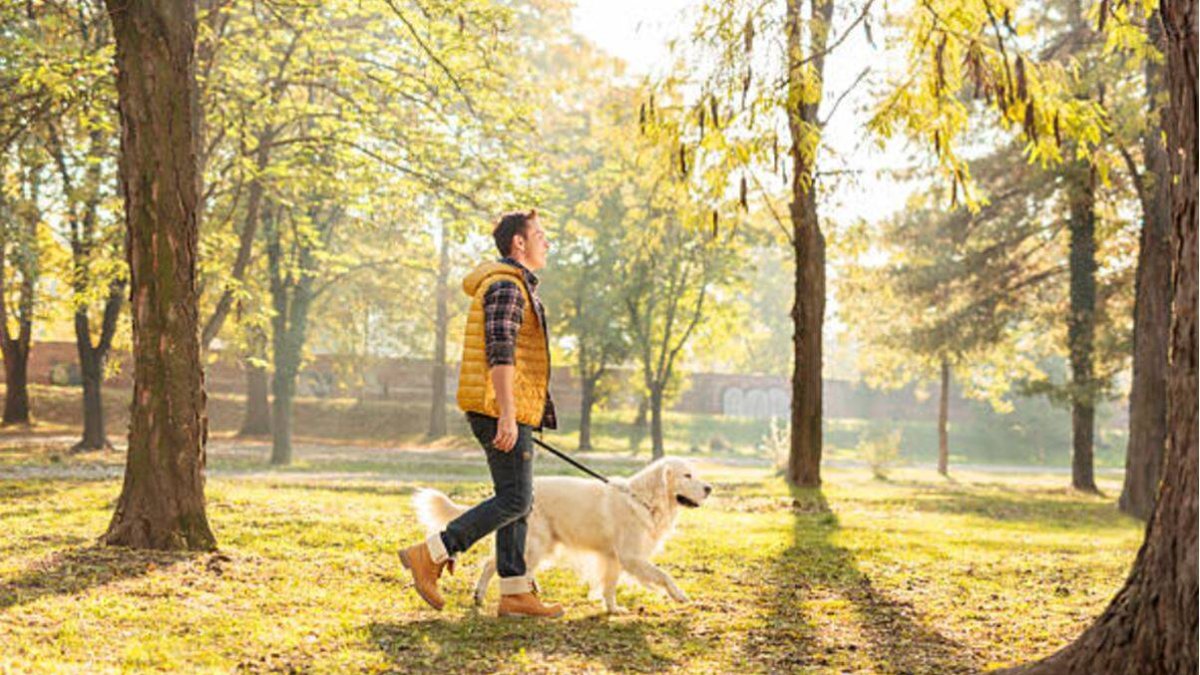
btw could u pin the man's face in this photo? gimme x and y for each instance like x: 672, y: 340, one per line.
x: 533, y: 245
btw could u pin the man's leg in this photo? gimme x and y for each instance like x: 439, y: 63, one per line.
x: 512, y: 481
x: 510, y: 538
x: 427, y: 559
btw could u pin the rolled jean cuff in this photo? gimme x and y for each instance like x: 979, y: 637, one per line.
x: 437, y: 549
x: 516, y: 585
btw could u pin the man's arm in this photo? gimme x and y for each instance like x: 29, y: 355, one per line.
x: 506, y: 427
x: 503, y: 309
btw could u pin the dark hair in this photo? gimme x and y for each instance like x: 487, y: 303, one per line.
x: 510, y: 225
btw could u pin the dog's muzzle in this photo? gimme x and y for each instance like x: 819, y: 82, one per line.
x: 686, y: 502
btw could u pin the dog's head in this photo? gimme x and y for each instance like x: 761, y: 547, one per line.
x: 682, y: 485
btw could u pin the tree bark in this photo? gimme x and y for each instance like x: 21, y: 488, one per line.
x: 92, y: 359
x: 586, y: 402
x: 1151, y: 625
x: 257, y: 421
x: 162, y: 499
x: 1081, y: 324
x: 944, y: 422
x: 437, y: 405
x: 291, y: 300
x: 15, y: 348
x: 16, y: 384
x: 1152, y: 308
x: 808, y: 243
x: 656, y: 427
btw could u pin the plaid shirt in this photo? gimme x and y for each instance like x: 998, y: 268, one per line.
x: 503, y: 311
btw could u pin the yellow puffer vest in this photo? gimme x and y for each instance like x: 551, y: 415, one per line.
x: 475, y: 390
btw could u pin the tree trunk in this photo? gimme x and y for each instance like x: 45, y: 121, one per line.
x: 15, y: 349
x: 257, y: 421
x: 639, y: 420
x: 16, y: 386
x: 586, y: 401
x: 1081, y: 324
x: 808, y: 243
x: 94, y: 437
x: 656, y: 428
x: 162, y: 499
x: 283, y: 387
x: 91, y: 366
x: 944, y: 422
x: 1152, y: 310
x: 437, y: 406
x: 1151, y: 625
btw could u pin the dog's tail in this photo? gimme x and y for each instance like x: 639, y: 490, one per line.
x: 434, y: 509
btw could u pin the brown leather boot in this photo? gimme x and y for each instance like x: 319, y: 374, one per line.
x: 527, y: 605
x: 426, y: 571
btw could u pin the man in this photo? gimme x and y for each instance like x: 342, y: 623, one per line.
x: 503, y: 388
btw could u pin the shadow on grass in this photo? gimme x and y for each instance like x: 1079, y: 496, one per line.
x: 1032, y: 508
x: 479, y: 643
x: 810, y: 588
x: 81, y: 568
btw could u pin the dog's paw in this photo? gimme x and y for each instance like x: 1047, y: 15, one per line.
x: 616, y: 610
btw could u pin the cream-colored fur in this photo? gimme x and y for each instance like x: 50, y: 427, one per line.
x: 618, y: 526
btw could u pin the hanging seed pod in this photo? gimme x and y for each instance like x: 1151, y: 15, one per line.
x: 743, y: 197
x: 774, y: 154
x: 1031, y: 121
x: 1103, y: 15
x: 746, y: 85
x: 651, y: 107
x: 715, y: 220
x: 462, y: 24
x: 954, y: 191
x: 941, y: 66
x: 1022, y: 89
x: 1057, y: 131
x: 785, y: 177
x: 749, y: 32
x: 937, y: 142
x: 642, y: 119
x: 712, y: 104
x: 683, y: 167
x: 702, y: 122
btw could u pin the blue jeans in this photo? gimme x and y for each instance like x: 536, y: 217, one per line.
x: 504, y: 512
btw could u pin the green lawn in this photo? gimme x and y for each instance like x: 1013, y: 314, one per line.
x: 916, y: 574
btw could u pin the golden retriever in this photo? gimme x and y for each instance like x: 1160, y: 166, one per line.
x: 615, y: 526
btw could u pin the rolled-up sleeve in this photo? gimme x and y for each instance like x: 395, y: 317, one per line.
x: 503, y: 309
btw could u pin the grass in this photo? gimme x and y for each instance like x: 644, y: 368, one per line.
x: 915, y: 574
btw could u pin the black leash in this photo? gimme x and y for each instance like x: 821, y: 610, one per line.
x: 568, y: 460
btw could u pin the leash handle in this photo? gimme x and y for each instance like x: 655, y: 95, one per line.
x: 568, y: 460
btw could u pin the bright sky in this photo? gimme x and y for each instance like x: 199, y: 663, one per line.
x: 637, y: 32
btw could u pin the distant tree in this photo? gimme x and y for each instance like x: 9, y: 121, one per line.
x: 952, y: 297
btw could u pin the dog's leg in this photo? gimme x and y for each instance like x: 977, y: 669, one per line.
x: 610, y: 573
x: 648, y: 573
x: 485, y: 576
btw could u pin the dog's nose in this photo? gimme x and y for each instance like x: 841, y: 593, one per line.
x: 707, y: 490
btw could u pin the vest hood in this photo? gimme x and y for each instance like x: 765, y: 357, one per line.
x: 472, y: 281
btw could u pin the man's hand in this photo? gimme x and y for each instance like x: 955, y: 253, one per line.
x: 506, y: 433
x: 506, y: 426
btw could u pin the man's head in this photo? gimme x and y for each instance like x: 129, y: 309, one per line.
x: 520, y: 236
